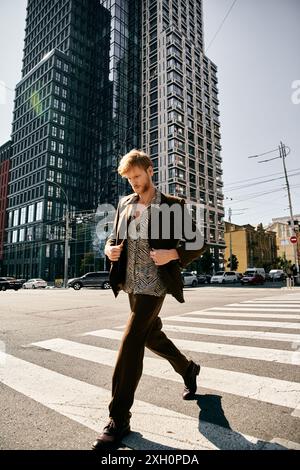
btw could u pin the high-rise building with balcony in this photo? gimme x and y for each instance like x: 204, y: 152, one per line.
x: 180, y: 117
x: 100, y: 77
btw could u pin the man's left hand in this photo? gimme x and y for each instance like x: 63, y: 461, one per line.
x: 161, y: 257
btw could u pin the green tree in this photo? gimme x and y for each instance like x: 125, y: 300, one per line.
x: 282, y: 263
x: 234, y: 263
x: 206, y: 262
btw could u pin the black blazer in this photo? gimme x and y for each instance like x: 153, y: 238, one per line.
x: 169, y: 273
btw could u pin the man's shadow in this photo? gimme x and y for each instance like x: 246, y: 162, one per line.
x: 214, y: 425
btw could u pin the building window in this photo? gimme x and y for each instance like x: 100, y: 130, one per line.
x: 54, y: 131
x: 49, y: 209
x: 39, y: 210
x: 60, y: 148
x: 22, y: 235
x: 23, y: 216
x: 52, y: 160
x: 31, y: 213
x: 15, y: 236
x: 16, y: 218
x: 53, y: 145
x: 51, y: 175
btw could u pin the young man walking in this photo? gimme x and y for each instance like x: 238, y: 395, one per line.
x: 146, y: 263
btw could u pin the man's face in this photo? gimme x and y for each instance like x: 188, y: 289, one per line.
x: 139, y: 179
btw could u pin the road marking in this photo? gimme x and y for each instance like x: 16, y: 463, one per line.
x: 87, y: 405
x: 264, y: 301
x: 247, y: 352
x: 219, y: 321
x: 208, y: 313
x: 252, y: 309
x: 265, y: 335
x: 265, y: 389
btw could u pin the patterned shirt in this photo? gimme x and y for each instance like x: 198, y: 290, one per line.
x: 141, y: 273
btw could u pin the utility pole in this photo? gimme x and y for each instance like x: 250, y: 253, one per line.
x: 66, y: 263
x: 282, y: 154
x: 230, y: 237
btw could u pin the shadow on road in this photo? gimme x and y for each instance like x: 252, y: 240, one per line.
x: 214, y: 425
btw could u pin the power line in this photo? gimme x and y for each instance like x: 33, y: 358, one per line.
x: 263, y: 182
x: 258, y: 177
x: 4, y: 86
x: 220, y: 27
x: 255, y: 195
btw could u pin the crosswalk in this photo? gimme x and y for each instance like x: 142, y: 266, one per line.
x: 210, y: 337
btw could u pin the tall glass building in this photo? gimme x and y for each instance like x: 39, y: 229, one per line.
x: 100, y: 77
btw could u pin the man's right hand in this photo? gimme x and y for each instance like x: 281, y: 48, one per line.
x: 113, y: 252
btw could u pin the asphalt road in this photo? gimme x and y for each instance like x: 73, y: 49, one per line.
x: 58, y: 350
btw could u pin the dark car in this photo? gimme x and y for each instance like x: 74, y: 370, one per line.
x: 11, y: 283
x: 95, y: 279
x: 203, y: 278
x: 252, y: 278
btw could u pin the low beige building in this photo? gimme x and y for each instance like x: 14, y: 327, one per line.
x: 253, y: 247
x: 283, y: 232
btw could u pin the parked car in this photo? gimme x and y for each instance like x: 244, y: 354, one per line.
x: 189, y: 279
x: 94, y: 279
x: 260, y: 271
x: 10, y: 283
x: 221, y: 277
x: 251, y: 277
x: 203, y: 278
x: 35, y: 284
x: 276, y: 275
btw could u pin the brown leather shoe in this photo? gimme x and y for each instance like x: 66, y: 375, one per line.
x: 190, y: 381
x: 111, y: 434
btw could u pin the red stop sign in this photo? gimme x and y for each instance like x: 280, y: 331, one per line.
x: 293, y: 239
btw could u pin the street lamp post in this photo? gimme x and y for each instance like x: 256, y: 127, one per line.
x: 66, y: 258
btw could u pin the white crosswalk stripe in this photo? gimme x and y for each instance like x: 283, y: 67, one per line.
x: 252, y: 323
x: 86, y: 404
x: 216, y: 313
x: 277, y: 392
x: 253, y: 309
x: 265, y: 335
x: 160, y: 427
x: 261, y: 354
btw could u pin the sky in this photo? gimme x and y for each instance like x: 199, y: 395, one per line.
x: 257, y: 52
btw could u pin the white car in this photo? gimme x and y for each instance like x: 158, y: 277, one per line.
x: 189, y: 279
x: 224, y: 276
x: 277, y: 275
x: 35, y: 284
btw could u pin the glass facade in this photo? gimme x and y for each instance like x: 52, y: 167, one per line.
x: 100, y: 77
x: 120, y: 94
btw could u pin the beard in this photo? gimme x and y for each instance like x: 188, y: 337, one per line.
x: 143, y: 187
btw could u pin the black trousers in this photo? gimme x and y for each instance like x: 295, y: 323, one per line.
x: 143, y: 329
